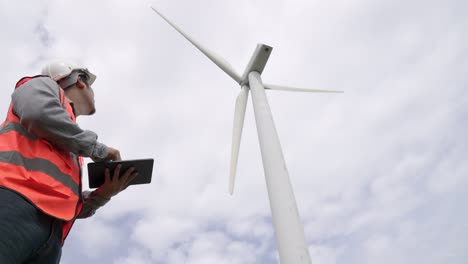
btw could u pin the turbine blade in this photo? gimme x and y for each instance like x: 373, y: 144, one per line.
x: 220, y: 62
x: 239, y: 114
x: 294, y: 89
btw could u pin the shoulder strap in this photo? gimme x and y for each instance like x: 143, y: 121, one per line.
x: 26, y: 79
x: 63, y: 101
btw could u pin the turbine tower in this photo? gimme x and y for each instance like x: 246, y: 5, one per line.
x: 289, y: 230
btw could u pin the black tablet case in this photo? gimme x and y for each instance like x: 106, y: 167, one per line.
x: 143, y: 166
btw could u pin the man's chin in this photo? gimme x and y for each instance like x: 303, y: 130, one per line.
x: 92, y: 111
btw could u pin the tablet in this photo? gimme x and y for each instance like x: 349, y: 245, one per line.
x: 143, y: 166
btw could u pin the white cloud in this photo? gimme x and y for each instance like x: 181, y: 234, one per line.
x: 323, y: 255
x: 97, y: 237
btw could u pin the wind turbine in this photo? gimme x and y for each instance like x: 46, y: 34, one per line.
x: 289, y: 230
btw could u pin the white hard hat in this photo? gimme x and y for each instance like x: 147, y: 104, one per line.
x: 60, y: 70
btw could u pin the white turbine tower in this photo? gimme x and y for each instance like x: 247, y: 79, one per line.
x: 289, y: 230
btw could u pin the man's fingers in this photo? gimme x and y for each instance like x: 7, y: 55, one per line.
x: 117, y: 155
x: 125, y: 177
x: 128, y: 172
x: 130, y: 179
x: 116, y: 176
x: 106, y: 175
x: 113, y: 154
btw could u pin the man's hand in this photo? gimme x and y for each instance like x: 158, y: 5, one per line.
x: 112, y: 187
x: 112, y: 155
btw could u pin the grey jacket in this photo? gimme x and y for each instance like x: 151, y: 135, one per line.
x: 37, y: 104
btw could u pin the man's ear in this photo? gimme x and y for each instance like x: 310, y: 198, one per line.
x: 80, y: 84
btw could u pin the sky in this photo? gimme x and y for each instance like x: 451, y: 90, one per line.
x: 380, y: 172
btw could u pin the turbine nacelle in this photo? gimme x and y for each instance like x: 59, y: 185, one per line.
x: 257, y: 62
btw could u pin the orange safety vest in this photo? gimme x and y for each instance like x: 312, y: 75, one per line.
x: 46, y: 176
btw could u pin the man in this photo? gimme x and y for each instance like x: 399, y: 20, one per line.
x: 41, y: 149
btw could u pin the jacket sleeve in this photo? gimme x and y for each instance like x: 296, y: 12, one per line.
x: 91, y: 202
x: 37, y: 104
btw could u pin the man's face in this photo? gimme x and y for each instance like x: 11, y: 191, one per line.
x: 88, y: 95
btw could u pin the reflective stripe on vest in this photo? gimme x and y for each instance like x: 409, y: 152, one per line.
x: 37, y: 166
x: 31, y: 166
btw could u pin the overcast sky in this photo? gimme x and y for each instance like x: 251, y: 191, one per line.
x: 380, y: 173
